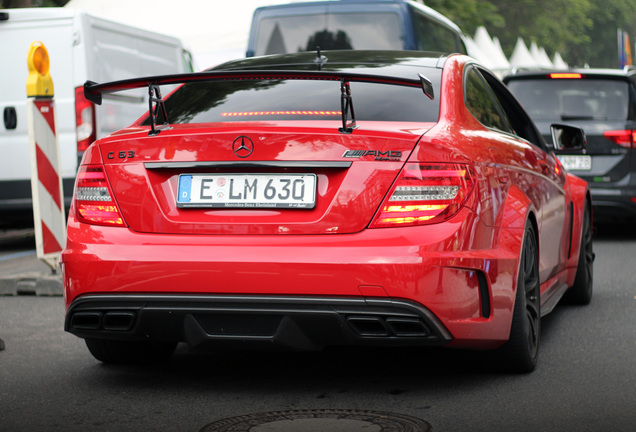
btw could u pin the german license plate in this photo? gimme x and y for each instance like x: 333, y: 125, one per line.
x: 247, y: 191
x: 576, y: 162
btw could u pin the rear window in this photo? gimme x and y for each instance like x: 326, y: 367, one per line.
x: 254, y: 100
x: 360, y: 31
x: 572, y: 99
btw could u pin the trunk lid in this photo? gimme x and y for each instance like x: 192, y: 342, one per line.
x: 352, y: 172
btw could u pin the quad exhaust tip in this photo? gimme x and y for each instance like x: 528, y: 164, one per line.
x: 110, y: 321
x: 380, y: 326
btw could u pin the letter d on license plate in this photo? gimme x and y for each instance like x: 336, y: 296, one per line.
x: 247, y: 191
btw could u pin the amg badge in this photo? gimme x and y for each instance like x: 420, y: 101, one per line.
x: 389, y: 155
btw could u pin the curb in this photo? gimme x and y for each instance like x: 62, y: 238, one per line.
x: 31, y: 285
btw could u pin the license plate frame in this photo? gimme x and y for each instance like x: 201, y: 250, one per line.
x: 576, y: 162
x: 247, y: 190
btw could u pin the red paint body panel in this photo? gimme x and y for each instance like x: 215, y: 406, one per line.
x: 148, y: 197
x: 405, y: 262
x: 462, y: 271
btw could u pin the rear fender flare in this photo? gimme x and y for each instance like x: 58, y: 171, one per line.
x: 581, y: 197
x: 518, y: 211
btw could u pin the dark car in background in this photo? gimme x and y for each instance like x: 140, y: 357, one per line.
x: 352, y: 24
x: 603, y: 103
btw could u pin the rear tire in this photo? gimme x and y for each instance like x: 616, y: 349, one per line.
x: 521, y: 352
x: 581, y: 292
x: 129, y: 352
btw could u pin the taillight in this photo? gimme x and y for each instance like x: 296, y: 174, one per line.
x: 93, y: 198
x: 426, y: 194
x: 624, y: 138
x: 86, y: 127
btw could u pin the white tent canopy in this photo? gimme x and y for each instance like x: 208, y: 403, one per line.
x: 540, y: 56
x: 558, y: 62
x: 476, y: 52
x: 521, y: 56
x: 491, y: 50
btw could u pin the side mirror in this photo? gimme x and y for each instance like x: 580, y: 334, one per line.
x: 567, y: 138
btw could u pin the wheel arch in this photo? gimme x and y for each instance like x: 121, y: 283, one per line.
x: 517, y: 212
x: 581, y: 199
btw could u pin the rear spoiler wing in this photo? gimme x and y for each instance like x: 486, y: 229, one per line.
x: 93, y: 91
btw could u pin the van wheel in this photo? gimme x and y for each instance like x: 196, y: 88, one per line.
x: 521, y: 351
x: 581, y: 292
x: 128, y: 352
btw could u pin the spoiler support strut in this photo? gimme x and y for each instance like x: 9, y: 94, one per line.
x: 346, y: 105
x: 154, y: 97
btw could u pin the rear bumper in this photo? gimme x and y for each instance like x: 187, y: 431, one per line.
x: 613, y: 202
x: 278, y: 322
x: 455, y: 280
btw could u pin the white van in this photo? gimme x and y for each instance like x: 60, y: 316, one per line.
x: 81, y: 47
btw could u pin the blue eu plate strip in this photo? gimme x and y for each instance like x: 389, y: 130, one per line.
x: 185, y: 188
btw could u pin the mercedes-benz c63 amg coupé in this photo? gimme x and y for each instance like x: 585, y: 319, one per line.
x: 325, y: 199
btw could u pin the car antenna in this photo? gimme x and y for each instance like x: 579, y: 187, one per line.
x: 320, y: 59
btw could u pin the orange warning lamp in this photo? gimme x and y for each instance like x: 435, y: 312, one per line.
x: 39, y: 81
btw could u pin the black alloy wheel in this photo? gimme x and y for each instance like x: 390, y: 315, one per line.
x: 581, y: 292
x: 521, y: 352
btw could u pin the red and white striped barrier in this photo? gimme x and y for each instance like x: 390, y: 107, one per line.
x: 46, y: 181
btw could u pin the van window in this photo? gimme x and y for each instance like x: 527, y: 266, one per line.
x: 360, y: 31
x: 187, y: 62
x: 432, y: 36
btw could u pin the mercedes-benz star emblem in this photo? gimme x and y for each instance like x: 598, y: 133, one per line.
x: 243, y: 146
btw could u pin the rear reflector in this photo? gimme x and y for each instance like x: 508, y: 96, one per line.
x: 425, y: 194
x: 624, y: 138
x: 93, y: 198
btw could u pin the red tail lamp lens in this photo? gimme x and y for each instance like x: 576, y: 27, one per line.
x: 86, y: 128
x: 426, y: 194
x: 624, y: 138
x: 280, y: 113
x: 93, y: 198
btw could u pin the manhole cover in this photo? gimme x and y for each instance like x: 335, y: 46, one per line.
x: 320, y: 421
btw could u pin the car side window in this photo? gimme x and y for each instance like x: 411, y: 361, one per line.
x: 482, y: 104
x: 519, y: 120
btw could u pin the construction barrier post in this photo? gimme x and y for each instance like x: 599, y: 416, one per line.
x: 46, y: 179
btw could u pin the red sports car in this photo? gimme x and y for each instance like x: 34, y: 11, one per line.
x: 308, y: 200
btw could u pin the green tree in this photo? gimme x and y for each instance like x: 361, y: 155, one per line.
x: 602, y: 47
x: 583, y: 31
x: 469, y: 14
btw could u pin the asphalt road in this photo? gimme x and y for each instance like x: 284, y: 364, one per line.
x: 585, y: 381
